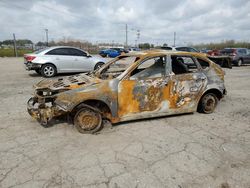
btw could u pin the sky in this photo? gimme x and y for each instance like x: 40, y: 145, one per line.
x: 97, y: 21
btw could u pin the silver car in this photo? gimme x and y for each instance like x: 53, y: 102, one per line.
x: 61, y: 59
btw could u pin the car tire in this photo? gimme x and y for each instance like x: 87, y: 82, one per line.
x: 239, y: 62
x: 98, y: 65
x: 208, y: 103
x: 48, y: 70
x: 88, y: 120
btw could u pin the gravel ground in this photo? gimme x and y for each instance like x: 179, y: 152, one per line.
x: 187, y: 151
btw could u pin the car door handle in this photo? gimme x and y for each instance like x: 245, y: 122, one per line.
x: 76, y: 59
x: 57, y: 58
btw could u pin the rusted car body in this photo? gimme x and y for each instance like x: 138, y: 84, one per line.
x: 154, y: 83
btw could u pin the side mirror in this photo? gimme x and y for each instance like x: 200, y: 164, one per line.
x: 89, y: 55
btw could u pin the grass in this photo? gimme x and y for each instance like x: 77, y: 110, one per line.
x: 10, y: 52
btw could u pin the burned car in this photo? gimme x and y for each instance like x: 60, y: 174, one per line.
x: 132, y: 86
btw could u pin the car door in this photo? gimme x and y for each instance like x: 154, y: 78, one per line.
x: 189, y: 83
x: 247, y: 56
x: 81, y: 62
x: 146, y: 91
x: 61, y: 58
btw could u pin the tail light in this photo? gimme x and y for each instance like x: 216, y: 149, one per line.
x: 29, y: 58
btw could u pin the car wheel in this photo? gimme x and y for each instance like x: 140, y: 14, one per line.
x: 239, y: 63
x: 48, y: 70
x: 98, y: 65
x: 88, y: 120
x: 208, y: 103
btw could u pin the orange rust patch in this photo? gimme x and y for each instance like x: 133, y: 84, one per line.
x: 170, y: 95
x: 126, y: 100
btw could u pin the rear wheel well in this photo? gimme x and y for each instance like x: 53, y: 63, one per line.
x: 216, y: 92
x: 99, y: 105
x: 48, y: 64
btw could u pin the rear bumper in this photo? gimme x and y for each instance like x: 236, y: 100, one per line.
x: 32, y: 66
x: 43, y: 110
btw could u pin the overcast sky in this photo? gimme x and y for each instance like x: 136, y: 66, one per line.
x: 194, y: 21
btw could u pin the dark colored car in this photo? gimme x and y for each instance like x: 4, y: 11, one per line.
x: 223, y: 61
x: 120, y: 50
x: 239, y: 55
x: 186, y: 49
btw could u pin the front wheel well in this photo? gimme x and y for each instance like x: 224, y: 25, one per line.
x: 99, y: 105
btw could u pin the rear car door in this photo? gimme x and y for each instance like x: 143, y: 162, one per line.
x: 189, y: 83
x: 81, y: 62
x: 62, y: 59
x: 245, y: 55
x: 248, y: 56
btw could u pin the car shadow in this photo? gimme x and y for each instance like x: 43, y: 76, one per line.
x: 107, y: 125
x: 151, y: 118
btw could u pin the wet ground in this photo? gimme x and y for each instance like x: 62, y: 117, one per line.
x: 187, y: 151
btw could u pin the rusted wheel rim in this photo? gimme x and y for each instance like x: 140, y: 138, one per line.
x: 88, y: 120
x: 209, y: 103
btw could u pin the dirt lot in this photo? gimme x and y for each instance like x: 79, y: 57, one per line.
x: 193, y: 151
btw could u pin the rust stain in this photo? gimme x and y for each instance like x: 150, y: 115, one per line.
x: 126, y: 100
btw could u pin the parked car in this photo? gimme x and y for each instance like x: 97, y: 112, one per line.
x: 146, y: 84
x: 223, y: 61
x: 112, y: 52
x: 239, y: 55
x: 214, y: 52
x: 180, y: 48
x: 61, y: 59
x: 109, y: 53
x: 186, y: 49
x: 120, y: 50
x: 134, y: 49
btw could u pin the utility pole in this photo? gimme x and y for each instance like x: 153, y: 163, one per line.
x: 14, y: 40
x: 174, y: 37
x: 47, y: 37
x: 126, y: 43
x: 138, y: 36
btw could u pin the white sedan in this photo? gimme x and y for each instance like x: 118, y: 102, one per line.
x: 61, y: 59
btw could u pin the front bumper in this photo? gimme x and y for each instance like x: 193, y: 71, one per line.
x: 43, y: 110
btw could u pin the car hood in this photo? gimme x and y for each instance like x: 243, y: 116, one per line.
x: 66, y: 83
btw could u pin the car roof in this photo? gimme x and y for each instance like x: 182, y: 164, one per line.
x: 55, y: 47
x: 159, y: 52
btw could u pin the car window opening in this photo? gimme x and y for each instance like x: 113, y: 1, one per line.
x: 151, y: 68
x: 116, y: 68
x: 182, y: 65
